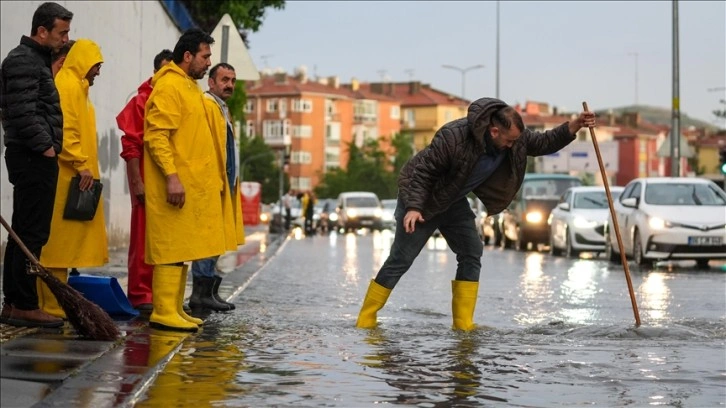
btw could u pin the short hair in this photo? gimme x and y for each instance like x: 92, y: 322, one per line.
x: 46, y: 14
x: 164, y: 55
x: 213, y: 71
x: 505, y: 117
x: 65, y: 49
x: 190, y: 41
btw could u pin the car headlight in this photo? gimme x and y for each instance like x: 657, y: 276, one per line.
x: 264, y: 217
x: 657, y: 223
x: 333, y: 217
x: 378, y: 213
x: 580, y: 222
x: 534, y: 217
x: 351, y: 213
x: 388, y: 217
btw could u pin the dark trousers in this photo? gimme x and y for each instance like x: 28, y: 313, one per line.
x: 34, y: 179
x: 288, y: 218
x: 456, y: 225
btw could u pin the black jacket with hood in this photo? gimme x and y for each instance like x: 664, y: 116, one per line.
x: 433, y: 178
x: 31, y: 112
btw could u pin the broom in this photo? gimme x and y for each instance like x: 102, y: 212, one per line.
x: 86, y: 317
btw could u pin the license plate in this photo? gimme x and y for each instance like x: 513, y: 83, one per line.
x: 704, y: 241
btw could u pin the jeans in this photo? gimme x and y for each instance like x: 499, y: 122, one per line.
x: 34, y: 178
x: 204, y: 268
x: 456, y: 225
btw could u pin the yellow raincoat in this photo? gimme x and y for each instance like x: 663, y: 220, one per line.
x: 178, y: 139
x: 76, y: 244
x: 231, y: 201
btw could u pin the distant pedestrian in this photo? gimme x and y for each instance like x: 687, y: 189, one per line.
x: 205, y: 281
x: 181, y: 180
x: 308, y: 207
x: 33, y: 123
x: 484, y: 153
x: 73, y: 243
x: 287, y: 204
x: 131, y: 122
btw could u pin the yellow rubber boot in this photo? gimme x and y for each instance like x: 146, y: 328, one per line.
x: 46, y: 300
x: 180, y: 300
x: 376, y: 298
x: 463, y: 303
x: 165, y: 286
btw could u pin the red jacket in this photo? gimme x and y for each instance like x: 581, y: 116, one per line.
x: 131, y: 123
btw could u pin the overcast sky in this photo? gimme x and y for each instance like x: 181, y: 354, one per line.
x: 562, y: 53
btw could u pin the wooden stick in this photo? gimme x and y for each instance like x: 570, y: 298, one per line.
x: 615, y: 226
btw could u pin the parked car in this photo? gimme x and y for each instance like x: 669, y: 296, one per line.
x: 389, y: 207
x: 577, y: 224
x: 664, y: 218
x: 525, y: 220
x: 277, y: 219
x: 359, y: 209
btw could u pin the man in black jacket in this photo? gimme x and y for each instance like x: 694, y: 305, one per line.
x: 33, y: 124
x: 484, y: 153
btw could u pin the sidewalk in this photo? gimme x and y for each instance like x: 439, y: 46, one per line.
x: 53, y: 367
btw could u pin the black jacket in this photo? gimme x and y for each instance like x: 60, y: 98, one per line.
x: 31, y: 112
x: 433, y: 178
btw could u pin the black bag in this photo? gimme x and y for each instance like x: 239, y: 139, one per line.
x: 81, y: 205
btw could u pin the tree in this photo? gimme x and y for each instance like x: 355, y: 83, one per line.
x: 402, y: 144
x: 258, y: 163
x: 247, y: 14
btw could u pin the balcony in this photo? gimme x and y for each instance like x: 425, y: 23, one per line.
x: 419, y: 125
x: 365, y: 119
x: 277, y: 142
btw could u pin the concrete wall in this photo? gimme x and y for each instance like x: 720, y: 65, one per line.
x: 130, y: 34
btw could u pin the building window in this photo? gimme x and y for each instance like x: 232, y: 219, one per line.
x: 302, y: 131
x: 301, y: 157
x: 273, y: 130
x: 329, y: 107
x: 300, y: 183
x: 282, y: 106
x: 272, y: 105
x: 395, y: 112
x: 365, y: 111
x: 249, y: 106
x: 332, y: 157
x: 302, y: 105
x: 332, y: 131
x: 410, y: 117
x: 250, y: 128
x: 643, y: 146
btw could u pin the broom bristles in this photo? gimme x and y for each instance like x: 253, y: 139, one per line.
x: 86, y: 317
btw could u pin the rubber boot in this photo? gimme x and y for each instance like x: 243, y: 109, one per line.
x: 202, y: 295
x: 165, y: 284
x: 46, y: 300
x: 215, y: 292
x: 463, y: 303
x: 376, y: 298
x: 180, y: 300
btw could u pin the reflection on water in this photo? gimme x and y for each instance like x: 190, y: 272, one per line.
x: 578, y: 291
x: 536, y: 290
x: 655, y: 297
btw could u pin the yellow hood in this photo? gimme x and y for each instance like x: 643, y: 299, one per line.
x: 84, y: 54
x: 169, y: 69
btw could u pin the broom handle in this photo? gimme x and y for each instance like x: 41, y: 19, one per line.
x: 623, y: 259
x: 17, y: 240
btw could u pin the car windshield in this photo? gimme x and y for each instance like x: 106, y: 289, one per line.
x: 593, y: 199
x: 683, y: 194
x: 389, y: 204
x: 547, y: 188
x: 362, y: 202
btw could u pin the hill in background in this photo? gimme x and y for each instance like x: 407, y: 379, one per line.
x: 659, y: 116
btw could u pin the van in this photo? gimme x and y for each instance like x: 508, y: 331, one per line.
x: 359, y: 209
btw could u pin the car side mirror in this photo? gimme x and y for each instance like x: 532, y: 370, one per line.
x: 564, y: 206
x: 630, y: 202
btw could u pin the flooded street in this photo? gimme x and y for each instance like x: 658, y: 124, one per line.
x: 553, y: 332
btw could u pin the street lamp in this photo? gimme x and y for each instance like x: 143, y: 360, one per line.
x: 463, y: 72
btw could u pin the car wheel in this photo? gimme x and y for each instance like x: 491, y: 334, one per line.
x: 610, y: 253
x: 521, y: 243
x: 702, y: 263
x: 497, y: 236
x: 570, y: 252
x: 638, y: 251
x: 486, y: 240
x: 554, y: 251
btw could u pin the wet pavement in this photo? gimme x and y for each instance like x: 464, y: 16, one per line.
x: 54, y: 367
x: 553, y: 332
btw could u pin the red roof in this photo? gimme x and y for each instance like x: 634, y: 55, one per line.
x: 416, y: 94
x: 272, y: 85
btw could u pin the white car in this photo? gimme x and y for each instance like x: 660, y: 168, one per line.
x: 577, y: 224
x: 389, y: 207
x: 666, y: 218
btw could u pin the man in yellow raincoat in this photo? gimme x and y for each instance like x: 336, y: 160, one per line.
x: 205, y: 288
x: 72, y: 243
x: 183, y: 183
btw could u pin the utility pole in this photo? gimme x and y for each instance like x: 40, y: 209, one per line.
x: 463, y: 72
x: 676, y: 109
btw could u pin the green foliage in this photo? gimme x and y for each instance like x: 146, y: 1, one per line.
x: 368, y: 170
x: 236, y: 103
x: 402, y: 143
x: 258, y: 162
x: 247, y: 14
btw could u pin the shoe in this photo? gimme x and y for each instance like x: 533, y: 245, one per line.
x: 180, y: 299
x: 463, y: 303
x: 145, y: 310
x: 166, y: 285
x: 202, y: 298
x: 33, y: 318
x: 5, y: 313
x: 215, y: 292
x: 375, y: 299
